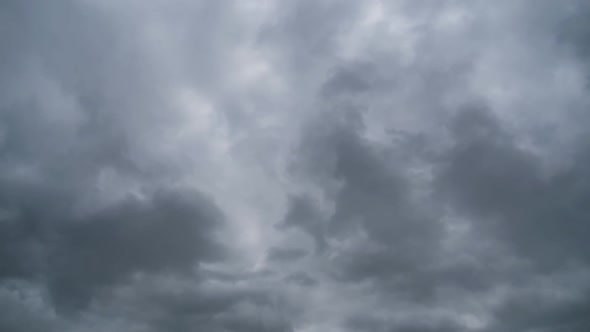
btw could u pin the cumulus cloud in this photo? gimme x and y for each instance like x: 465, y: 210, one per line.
x: 305, y: 166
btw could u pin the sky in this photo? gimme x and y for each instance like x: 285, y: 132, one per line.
x: 294, y: 166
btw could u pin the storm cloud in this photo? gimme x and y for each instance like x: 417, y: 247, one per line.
x: 294, y: 166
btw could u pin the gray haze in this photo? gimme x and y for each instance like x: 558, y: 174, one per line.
x: 301, y: 166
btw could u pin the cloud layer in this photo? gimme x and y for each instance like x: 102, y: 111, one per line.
x: 305, y: 166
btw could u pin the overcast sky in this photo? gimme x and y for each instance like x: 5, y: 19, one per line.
x: 296, y: 166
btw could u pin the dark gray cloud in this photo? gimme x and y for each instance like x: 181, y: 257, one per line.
x: 215, y: 308
x: 496, y: 181
x: 21, y: 310
x: 168, y: 233
x: 285, y: 254
x: 310, y: 166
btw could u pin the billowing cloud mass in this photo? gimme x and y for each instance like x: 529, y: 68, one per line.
x: 296, y: 166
